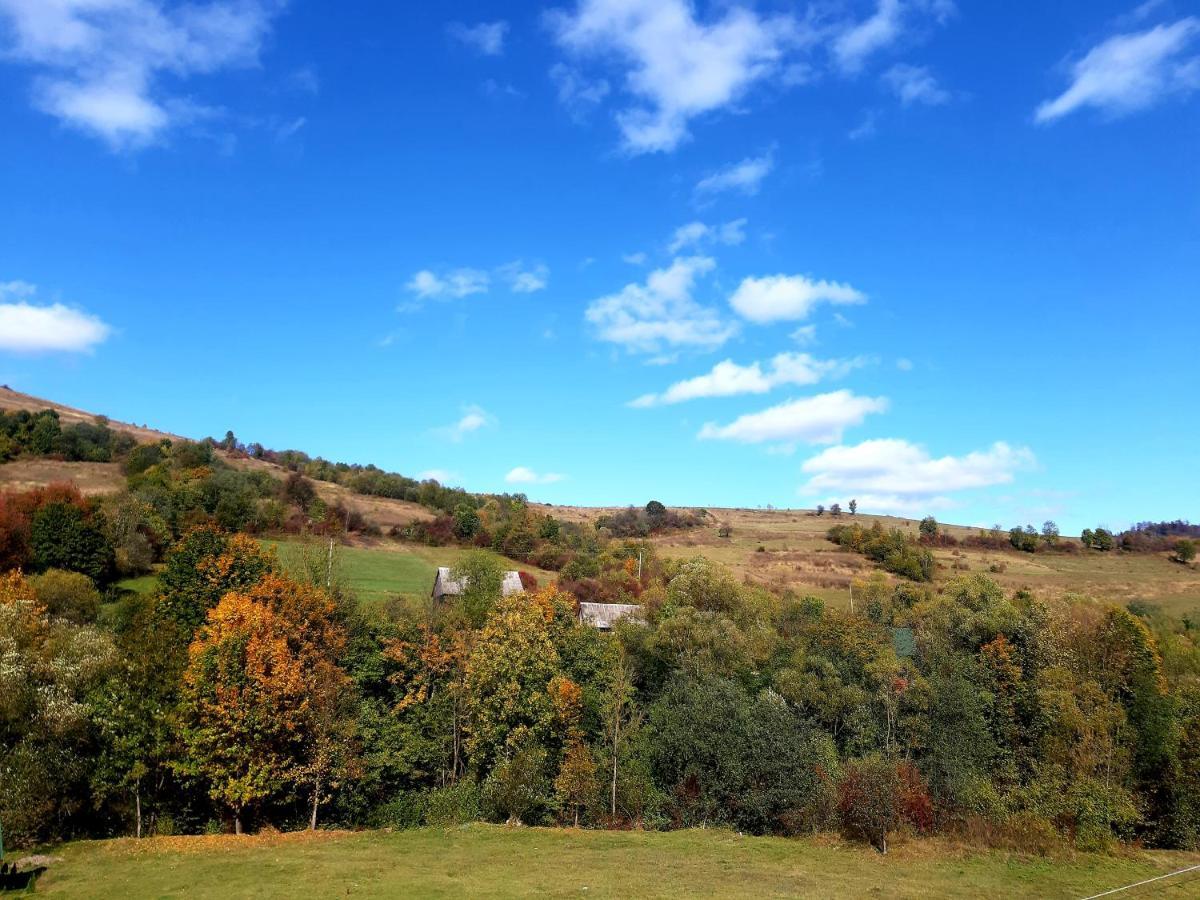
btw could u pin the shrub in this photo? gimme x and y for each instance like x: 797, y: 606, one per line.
x: 67, y: 595
x: 868, y: 800
x: 455, y: 804
x: 518, y: 790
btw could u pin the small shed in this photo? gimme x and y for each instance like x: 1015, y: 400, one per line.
x: 445, y: 585
x: 603, y: 616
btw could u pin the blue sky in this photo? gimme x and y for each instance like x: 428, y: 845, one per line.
x: 941, y: 258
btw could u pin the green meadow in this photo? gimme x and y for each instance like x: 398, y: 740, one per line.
x: 498, y: 861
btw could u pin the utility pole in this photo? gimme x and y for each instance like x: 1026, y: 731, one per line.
x: 329, y: 566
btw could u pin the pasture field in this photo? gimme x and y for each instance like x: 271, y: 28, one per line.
x: 374, y: 572
x: 498, y: 861
x: 377, y: 571
x: 797, y: 555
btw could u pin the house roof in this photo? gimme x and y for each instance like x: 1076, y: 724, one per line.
x: 444, y: 584
x: 605, y: 615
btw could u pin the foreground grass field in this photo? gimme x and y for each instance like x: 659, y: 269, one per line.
x: 495, y: 861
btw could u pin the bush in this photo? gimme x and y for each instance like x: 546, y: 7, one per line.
x: 455, y: 804
x: 518, y: 789
x: 67, y: 595
x: 405, y: 810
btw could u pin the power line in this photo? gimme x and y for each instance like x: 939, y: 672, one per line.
x: 1140, y: 883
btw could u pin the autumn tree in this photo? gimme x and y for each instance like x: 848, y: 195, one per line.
x: 508, y: 675
x: 202, y: 567
x: 262, y: 697
x: 576, y: 783
x: 868, y: 800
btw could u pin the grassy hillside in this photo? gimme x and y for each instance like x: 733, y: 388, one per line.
x: 386, y: 569
x: 794, y: 554
x: 495, y: 861
x: 797, y: 555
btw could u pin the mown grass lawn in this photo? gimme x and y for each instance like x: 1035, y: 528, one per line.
x: 496, y: 861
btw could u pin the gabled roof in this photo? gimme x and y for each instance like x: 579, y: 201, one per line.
x: 605, y: 615
x: 444, y: 584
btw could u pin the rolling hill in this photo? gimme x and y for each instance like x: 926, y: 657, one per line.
x: 778, y: 548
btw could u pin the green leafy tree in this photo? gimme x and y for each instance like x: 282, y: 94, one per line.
x: 202, y: 567
x: 48, y: 670
x: 929, y: 527
x: 63, y: 536
x: 853, y: 507
x: 482, y: 576
x: 508, y: 675
x: 1185, y: 551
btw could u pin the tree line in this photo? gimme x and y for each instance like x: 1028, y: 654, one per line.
x: 236, y: 696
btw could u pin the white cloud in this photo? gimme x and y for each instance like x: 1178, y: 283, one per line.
x: 780, y: 297
x: 525, y: 475
x: 661, y: 312
x: 634, y: 259
x: 102, y: 64
x: 892, y: 19
x: 728, y: 379
x: 675, y: 66
x: 473, y: 419
x: 453, y: 284
x: 893, y: 475
x: 915, y: 84
x: 745, y: 177
x: 29, y: 328
x: 813, y: 420
x: 485, y: 37
x: 695, y: 234
x: 1129, y: 72
x: 523, y: 279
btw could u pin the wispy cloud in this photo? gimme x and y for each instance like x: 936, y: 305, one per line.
x: 28, y: 327
x: 774, y: 298
x: 113, y: 68
x: 523, y: 279
x: 484, y: 37
x: 525, y: 475
x: 454, y: 284
x: 744, y: 177
x: 856, y: 42
x: 661, y: 312
x: 473, y: 419
x: 915, y: 84
x: 698, y: 234
x: 674, y: 65
x: 1131, y: 72
x: 728, y: 379
x: 812, y: 420
x: 578, y: 93
x: 893, y: 475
